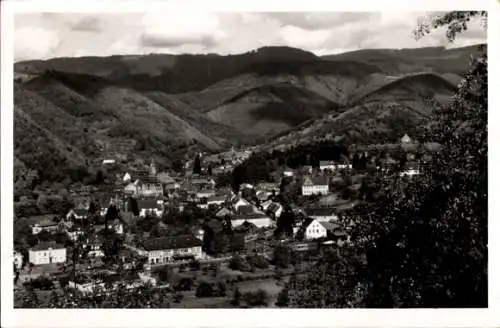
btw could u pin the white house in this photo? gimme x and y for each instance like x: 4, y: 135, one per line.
x: 405, y: 139
x: 288, y: 172
x: 46, y: 253
x: 48, y: 225
x: 131, y: 188
x: 314, y: 186
x: 127, y: 177
x: 108, y: 161
x: 315, y: 230
x: 149, y: 206
x: 18, y: 260
x: 78, y: 214
x: 168, y: 249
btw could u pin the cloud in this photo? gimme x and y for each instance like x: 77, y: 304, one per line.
x: 87, y: 24
x: 321, y: 20
x: 45, y: 35
x: 35, y: 43
x: 160, y: 41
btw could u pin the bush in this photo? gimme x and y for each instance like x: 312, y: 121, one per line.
x: 205, y: 290
x: 194, y: 265
x: 42, y: 283
x: 258, y: 261
x: 238, y: 263
x: 178, y: 297
x: 258, y: 298
x: 185, y: 284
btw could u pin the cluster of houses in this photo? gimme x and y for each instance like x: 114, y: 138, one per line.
x: 152, y: 193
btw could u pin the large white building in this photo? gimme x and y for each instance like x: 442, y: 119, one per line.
x: 168, y: 249
x: 46, y: 253
x: 315, y: 186
x: 150, y: 206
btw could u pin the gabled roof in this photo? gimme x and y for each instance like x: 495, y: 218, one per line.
x: 45, y: 245
x: 330, y: 226
x: 162, y: 243
x: 216, y: 198
x: 148, y: 203
x: 80, y: 211
x: 315, y: 181
x: 245, y: 209
x: 320, y: 211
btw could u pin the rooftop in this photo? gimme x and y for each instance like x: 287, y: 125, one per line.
x: 45, y: 245
x: 171, y: 243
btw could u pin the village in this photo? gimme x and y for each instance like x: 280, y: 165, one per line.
x: 190, y: 233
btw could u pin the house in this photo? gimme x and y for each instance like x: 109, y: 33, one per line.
x: 150, y: 190
x: 45, y: 225
x: 332, y: 166
x: 406, y: 139
x: 168, y: 249
x: 410, y: 170
x: 322, y: 214
x: 223, y: 212
x: 74, y: 232
x: 288, y: 172
x: 240, y: 202
x: 265, y: 205
x: 314, y: 186
x: 18, y: 260
x: 216, y: 200
x: 93, y: 245
x: 314, y: 230
x: 127, y: 177
x: 275, y: 210
x: 165, y: 179
x: 260, y: 220
x: 307, y: 169
x: 131, y: 188
x: 201, y: 183
x: 205, y: 194
x: 79, y: 213
x: 46, y: 253
x: 108, y: 161
x: 267, y: 186
x: 149, y: 206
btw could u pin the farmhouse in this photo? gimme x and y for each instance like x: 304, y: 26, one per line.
x: 258, y: 219
x: 314, y: 230
x: 46, y: 253
x: 168, y: 249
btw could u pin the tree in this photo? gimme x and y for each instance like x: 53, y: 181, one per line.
x: 205, y: 289
x: 197, y: 165
x: 236, y: 300
x: 282, y: 300
x: 282, y: 256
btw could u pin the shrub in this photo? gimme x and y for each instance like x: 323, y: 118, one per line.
x: 258, y: 261
x: 185, y: 284
x: 205, y: 290
x: 239, y: 263
x: 258, y: 298
x: 194, y: 265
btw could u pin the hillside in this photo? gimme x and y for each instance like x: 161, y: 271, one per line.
x: 169, y: 106
x: 401, y: 61
x: 383, y: 115
x: 85, y: 118
x: 269, y: 109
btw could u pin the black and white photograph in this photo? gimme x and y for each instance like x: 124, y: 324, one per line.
x: 250, y: 160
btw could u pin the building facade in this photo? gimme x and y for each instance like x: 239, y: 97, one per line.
x: 46, y: 253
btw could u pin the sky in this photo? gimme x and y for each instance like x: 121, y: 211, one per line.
x: 49, y: 35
